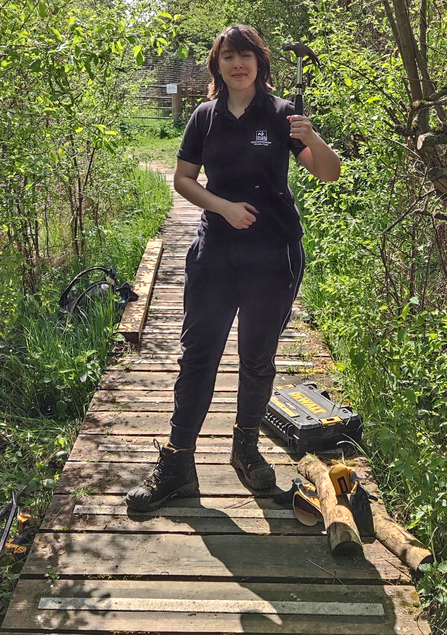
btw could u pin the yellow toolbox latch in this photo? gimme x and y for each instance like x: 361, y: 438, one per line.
x: 330, y: 421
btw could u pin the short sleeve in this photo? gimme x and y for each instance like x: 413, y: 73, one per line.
x: 295, y: 145
x: 191, y: 147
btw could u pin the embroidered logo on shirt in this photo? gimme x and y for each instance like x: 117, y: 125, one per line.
x: 261, y: 138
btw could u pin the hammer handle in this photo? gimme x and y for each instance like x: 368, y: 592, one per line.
x: 299, y: 110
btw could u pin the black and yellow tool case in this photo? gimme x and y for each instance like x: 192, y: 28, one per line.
x: 308, y: 420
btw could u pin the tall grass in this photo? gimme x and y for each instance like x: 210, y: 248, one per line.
x: 51, y: 364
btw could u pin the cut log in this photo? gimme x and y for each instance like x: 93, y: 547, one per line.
x: 398, y: 540
x: 342, y: 532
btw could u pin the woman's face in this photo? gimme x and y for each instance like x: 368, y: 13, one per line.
x: 238, y: 70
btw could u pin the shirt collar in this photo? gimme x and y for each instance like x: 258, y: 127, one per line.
x: 257, y: 101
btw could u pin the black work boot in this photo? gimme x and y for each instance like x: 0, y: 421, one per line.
x: 173, y: 476
x: 245, y: 456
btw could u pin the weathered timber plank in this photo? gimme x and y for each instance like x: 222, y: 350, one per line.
x: 136, y: 380
x: 168, y: 333
x: 171, y: 347
x: 159, y: 401
x: 147, y: 401
x: 211, y: 556
x: 229, y: 364
x: 172, y: 279
x: 134, y: 315
x: 167, y: 266
x: 209, y: 515
x: 144, y: 424
x: 290, y: 337
x: 394, y: 600
x: 141, y: 450
x: 173, y: 301
x: 119, y: 478
x: 180, y: 605
x: 150, y: 423
x: 173, y: 320
x: 180, y: 221
x: 161, y: 344
x: 157, y: 308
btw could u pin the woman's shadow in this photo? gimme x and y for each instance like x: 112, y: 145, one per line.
x: 281, y: 573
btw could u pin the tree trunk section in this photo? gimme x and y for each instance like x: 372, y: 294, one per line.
x: 398, y: 540
x: 341, y: 529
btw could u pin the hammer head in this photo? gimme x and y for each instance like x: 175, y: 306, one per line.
x: 301, y: 50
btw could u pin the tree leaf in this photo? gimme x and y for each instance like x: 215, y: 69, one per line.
x: 43, y: 9
x: 182, y: 51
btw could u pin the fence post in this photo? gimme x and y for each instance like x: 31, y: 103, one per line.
x: 177, y: 104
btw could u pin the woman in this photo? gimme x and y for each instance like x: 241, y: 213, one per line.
x: 247, y: 256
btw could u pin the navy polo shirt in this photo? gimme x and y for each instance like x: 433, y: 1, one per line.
x: 247, y: 159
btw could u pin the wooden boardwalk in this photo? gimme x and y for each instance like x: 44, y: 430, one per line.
x: 229, y: 562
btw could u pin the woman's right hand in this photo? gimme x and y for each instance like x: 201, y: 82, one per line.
x: 240, y: 215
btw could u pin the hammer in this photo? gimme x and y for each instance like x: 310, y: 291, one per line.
x: 300, y: 50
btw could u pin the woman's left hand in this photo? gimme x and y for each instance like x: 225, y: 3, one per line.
x: 301, y: 128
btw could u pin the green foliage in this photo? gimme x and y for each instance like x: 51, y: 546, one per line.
x: 50, y: 365
x: 374, y: 280
x: 68, y: 79
x: 433, y: 590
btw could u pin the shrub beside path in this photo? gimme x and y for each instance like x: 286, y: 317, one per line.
x: 229, y: 562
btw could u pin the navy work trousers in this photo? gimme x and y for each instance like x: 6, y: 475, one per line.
x: 224, y: 275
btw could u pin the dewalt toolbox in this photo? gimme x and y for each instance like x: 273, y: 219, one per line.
x: 308, y: 420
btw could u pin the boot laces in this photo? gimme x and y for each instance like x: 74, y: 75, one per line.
x: 162, y: 468
x: 250, y: 451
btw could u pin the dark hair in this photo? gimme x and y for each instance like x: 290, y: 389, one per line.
x: 239, y: 38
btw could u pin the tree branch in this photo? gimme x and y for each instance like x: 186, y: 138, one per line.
x: 406, y: 38
x: 430, y: 139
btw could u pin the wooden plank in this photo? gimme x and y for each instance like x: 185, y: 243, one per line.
x: 175, y: 232
x: 149, y: 423
x: 207, y: 515
x: 227, y: 607
x: 160, y: 401
x: 173, y: 345
x: 177, y: 280
x: 171, y: 285
x: 158, y: 308
x: 170, y: 324
x: 394, y: 600
x: 134, y: 315
x: 133, y: 448
x: 173, y: 319
x: 149, y: 401
x: 139, y: 381
x: 173, y: 333
x: 169, y: 300
x: 119, y: 478
x: 229, y: 364
x: 259, y: 558
x: 172, y: 267
x: 288, y: 337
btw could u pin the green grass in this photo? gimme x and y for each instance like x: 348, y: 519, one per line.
x: 158, y: 142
